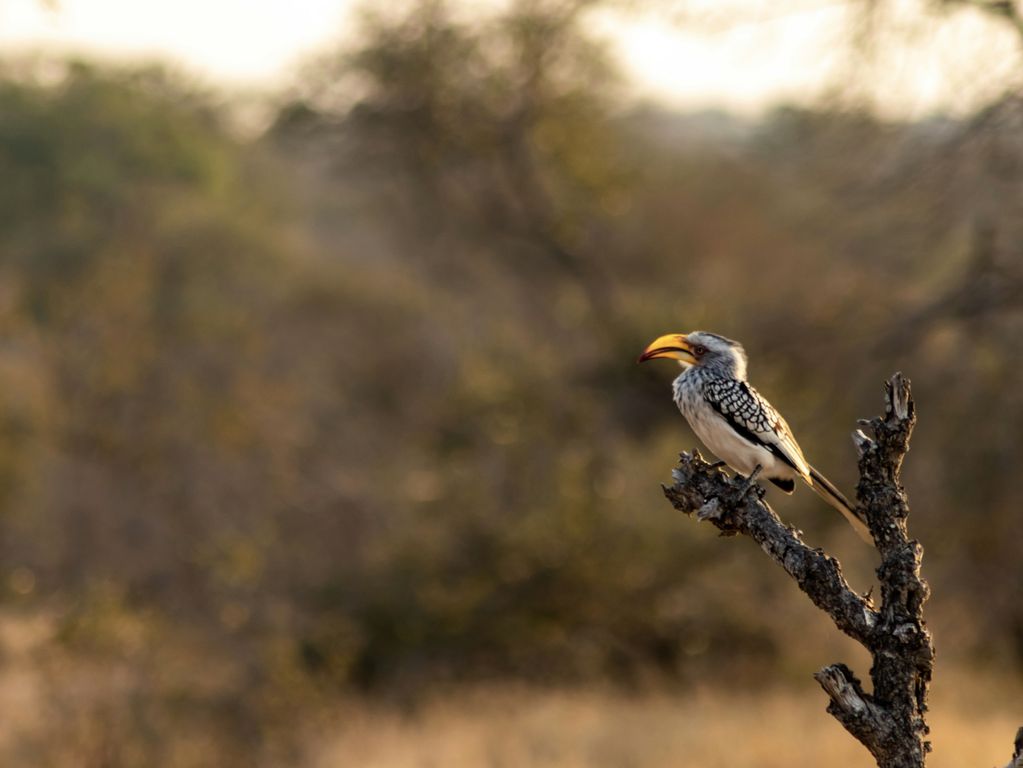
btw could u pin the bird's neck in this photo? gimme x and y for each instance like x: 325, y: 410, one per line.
x: 737, y: 368
x: 717, y: 369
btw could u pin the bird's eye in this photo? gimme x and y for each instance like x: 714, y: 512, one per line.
x: 699, y: 350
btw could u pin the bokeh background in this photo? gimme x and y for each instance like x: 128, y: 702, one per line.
x: 322, y: 442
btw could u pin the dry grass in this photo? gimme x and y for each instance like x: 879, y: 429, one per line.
x: 973, y: 721
x: 974, y: 717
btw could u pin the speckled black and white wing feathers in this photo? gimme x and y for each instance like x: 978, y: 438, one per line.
x: 754, y: 419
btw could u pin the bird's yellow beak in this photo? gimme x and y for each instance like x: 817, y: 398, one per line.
x: 673, y: 345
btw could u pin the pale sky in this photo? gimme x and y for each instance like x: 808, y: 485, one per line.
x: 780, y: 51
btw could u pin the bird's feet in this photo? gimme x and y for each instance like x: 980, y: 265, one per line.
x: 751, y: 482
x: 718, y: 464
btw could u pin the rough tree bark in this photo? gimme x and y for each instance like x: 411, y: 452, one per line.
x: 890, y: 720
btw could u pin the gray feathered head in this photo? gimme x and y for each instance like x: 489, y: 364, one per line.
x: 702, y: 349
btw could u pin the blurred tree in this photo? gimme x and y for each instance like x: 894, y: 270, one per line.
x: 354, y: 403
x: 490, y: 138
x: 525, y: 392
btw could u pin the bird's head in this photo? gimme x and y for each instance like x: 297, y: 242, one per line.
x: 700, y: 348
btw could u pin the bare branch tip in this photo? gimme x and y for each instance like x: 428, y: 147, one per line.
x: 841, y: 689
x: 861, y: 441
x: 899, y: 396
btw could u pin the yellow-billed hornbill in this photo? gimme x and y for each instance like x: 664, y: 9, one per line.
x: 735, y: 421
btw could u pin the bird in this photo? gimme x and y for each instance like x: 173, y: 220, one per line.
x: 735, y: 421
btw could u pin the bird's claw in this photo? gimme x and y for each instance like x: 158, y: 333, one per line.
x: 751, y: 482
x: 717, y: 465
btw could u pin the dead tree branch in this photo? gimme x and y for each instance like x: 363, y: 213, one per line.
x: 890, y: 720
x: 1017, y: 755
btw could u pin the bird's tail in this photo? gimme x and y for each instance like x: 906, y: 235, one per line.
x: 827, y: 491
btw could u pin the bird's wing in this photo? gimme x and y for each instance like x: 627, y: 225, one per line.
x: 754, y: 418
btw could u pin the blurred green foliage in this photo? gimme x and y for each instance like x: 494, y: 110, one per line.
x: 352, y: 405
